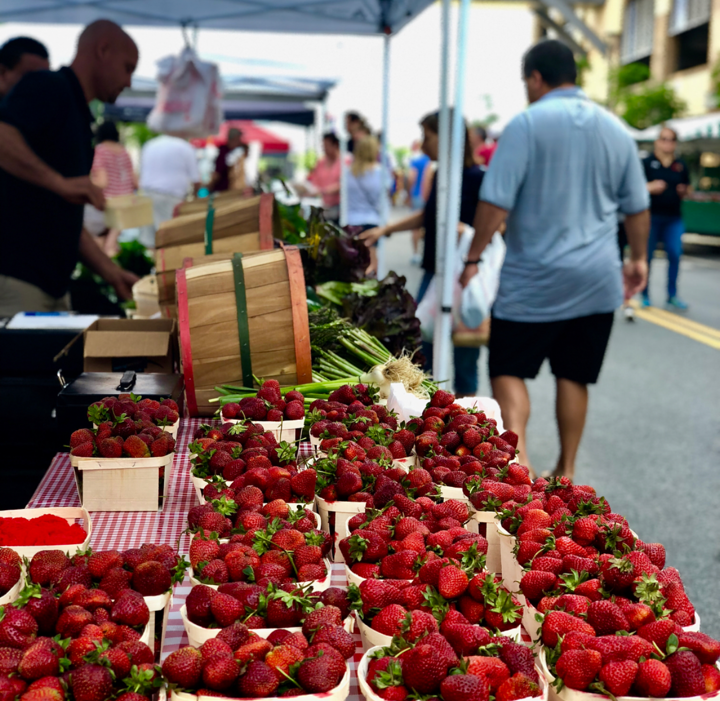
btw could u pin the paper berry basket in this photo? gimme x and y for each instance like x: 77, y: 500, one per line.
x: 286, y: 430
x: 568, y: 694
x: 72, y: 514
x: 371, y: 638
x: 343, y: 511
x: 197, y: 635
x: 339, y: 693
x: 370, y: 695
x: 317, y: 584
x: 122, y: 484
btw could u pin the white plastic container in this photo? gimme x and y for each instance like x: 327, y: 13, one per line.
x: 197, y: 635
x: 339, y: 693
x: 371, y: 638
x: 343, y: 510
x: 493, y: 560
x: 317, y: 584
x: 370, y: 695
x: 70, y: 513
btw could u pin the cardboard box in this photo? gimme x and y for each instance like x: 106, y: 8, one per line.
x: 143, y: 345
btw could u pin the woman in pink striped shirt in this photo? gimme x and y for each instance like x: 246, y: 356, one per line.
x: 112, y: 170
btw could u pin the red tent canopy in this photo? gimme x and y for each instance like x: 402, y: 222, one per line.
x: 271, y: 144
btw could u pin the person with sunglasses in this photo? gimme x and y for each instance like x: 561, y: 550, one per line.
x: 668, y: 183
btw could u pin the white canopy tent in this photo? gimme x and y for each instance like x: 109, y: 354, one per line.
x: 359, y: 17
x: 706, y: 126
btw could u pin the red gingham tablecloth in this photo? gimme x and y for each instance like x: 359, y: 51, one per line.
x: 122, y: 530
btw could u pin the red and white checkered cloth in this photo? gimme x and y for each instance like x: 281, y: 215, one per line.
x: 129, y: 529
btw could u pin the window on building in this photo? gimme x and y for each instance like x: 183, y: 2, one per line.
x: 692, y: 47
x: 638, y: 28
x: 688, y: 14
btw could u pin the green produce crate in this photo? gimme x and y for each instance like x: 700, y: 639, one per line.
x: 701, y: 217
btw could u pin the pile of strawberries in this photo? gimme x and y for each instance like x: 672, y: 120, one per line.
x: 149, y: 570
x: 582, y: 558
x: 134, y: 408
x: 126, y: 426
x: 10, y: 570
x: 268, y: 405
x: 256, y: 606
x: 239, y: 663
x: 661, y: 660
x: 279, y: 550
x: 443, y: 597
x: 397, y: 541
x: 241, y: 460
x: 430, y: 667
x: 82, y: 641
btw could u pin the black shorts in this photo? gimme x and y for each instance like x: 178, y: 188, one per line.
x: 574, y: 347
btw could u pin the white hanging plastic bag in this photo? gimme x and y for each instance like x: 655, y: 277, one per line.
x: 479, y: 295
x: 188, y: 97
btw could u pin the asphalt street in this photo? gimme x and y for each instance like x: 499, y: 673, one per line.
x: 652, y: 440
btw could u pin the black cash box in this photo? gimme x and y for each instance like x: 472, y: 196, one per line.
x: 75, y: 398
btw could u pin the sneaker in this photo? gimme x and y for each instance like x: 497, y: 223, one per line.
x: 645, y: 299
x: 416, y: 259
x: 629, y: 313
x: 677, y: 303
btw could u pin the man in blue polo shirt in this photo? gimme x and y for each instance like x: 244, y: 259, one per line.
x: 562, y: 172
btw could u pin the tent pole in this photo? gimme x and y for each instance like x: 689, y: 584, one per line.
x: 382, y: 270
x: 441, y: 344
x: 457, y: 150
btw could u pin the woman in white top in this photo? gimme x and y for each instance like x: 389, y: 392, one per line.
x: 364, y: 190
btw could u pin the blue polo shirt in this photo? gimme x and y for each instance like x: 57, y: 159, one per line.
x: 563, y: 169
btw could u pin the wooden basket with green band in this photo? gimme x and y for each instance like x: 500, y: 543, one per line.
x: 242, y: 317
x: 200, y: 204
x: 238, y: 226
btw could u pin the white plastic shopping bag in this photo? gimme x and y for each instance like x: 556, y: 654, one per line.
x: 478, y: 297
x: 188, y: 98
x: 471, y: 306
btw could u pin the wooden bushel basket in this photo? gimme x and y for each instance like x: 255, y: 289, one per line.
x: 242, y: 317
x: 236, y: 226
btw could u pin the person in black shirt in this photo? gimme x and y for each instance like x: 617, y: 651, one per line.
x: 19, y: 56
x: 45, y: 158
x: 465, y: 358
x: 668, y: 182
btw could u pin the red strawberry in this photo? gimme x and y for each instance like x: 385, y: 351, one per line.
x: 653, y: 679
x: 465, y: 687
x: 559, y: 623
x: 618, y: 677
x: 711, y: 674
x: 389, y: 621
x: 423, y: 668
x: 686, y: 674
x: 578, y: 668
x: 452, y: 582
x: 91, y: 682
x: 606, y: 617
x: 519, y: 686
x: 534, y: 584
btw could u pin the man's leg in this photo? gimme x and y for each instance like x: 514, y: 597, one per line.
x: 466, y: 370
x: 673, y: 248
x: 652, y: 243
x: 512, y: 396
x: 571, y: 409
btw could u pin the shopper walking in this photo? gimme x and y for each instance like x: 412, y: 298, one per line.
x: 168, y: 174
x: 223, y: 165
x: 46, y: 155
x: 561, y: 279
x: 365, y: 191
x: 325, y: 177
x: 465, y: 358
x: 112, y: 170
x: 19, y: 56
x: 668, y: 182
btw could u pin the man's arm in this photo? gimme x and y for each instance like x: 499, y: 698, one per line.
x: 94, y: 257
x: 488, y: 219
x: 18, y: 159
x: 635, y: 271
